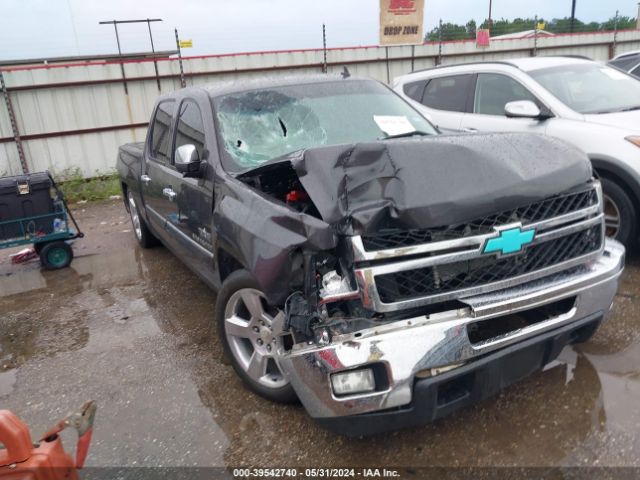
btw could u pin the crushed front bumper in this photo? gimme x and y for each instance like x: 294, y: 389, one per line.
x: 414, y: 352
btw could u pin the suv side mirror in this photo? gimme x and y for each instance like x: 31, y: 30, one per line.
x: 522, y: 109
x: 187, y: 160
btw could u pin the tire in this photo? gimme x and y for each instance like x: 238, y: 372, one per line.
x: 56, y: 255
x: 620, y: 213
x: 143, y: 235
x: 254, y: 364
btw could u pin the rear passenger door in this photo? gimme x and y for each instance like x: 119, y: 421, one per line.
x: 443, y: 99
x: 491, y: 93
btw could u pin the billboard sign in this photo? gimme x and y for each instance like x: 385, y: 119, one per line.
x: 401, y: 22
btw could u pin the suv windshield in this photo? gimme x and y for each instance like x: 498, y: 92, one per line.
x: 259, y: 125
x: 591, y: 88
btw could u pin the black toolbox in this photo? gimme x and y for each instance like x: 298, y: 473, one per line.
x: 25, y: 196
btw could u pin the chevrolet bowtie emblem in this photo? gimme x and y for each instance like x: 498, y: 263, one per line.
x: 509, y: 240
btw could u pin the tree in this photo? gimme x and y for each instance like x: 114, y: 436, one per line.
x: 452, y: 31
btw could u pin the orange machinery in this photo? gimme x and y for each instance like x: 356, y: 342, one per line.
x: 20, y: 459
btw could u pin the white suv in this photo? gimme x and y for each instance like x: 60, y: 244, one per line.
x: 594, y: 107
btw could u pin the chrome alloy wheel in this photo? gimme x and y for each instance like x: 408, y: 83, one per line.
x: 611, y: 217
x: 248, y: 325
x: 135, y: 216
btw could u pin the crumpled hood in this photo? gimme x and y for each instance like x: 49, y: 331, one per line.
x: 435, y: 181
x: 628, y: 121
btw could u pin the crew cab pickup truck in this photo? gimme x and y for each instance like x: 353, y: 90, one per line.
x: 378, y: 272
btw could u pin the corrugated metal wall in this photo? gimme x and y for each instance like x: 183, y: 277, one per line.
x: 76, y: 115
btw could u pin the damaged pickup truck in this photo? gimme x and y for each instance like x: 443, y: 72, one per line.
x: 382, y: 274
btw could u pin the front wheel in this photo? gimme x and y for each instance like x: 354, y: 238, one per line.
x: 245, y: 327
x: 619, y: 213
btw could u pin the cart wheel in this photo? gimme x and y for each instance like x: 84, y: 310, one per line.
x: 56, y: 255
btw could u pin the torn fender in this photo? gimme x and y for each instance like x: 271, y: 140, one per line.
x: 262, y: 235
x: 435, y: 181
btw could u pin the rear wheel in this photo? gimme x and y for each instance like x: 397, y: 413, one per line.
x: 145, y: 238
x: 56, y: 255
x: 619, y: 213
x: 245, y: 327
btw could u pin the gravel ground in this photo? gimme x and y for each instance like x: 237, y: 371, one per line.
x: 133, y: 330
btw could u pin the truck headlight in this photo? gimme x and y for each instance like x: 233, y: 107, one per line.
x: 634, y: 139
x: 352, y: 382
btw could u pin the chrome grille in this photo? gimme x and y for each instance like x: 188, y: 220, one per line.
x: 534, y: 212
x: 471, y: 273
x: 411, y: 273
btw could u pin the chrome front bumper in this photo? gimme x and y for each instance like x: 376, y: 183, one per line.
x: 427, y: 345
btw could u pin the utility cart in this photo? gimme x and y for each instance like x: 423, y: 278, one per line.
x: 33, y: 211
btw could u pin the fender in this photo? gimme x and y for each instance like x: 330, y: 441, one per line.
x: 621, y: 172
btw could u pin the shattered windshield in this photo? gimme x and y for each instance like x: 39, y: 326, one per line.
x: 260, y: 125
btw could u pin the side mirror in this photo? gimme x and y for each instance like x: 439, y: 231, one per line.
x: 522, y: 109
x: 187, y: 160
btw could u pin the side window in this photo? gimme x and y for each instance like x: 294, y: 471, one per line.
x: 414, y: 90
x: 190, y: 128
x: 636, y: 72
x: 447, y: 93
x: 625, y: 63
x: 160, y: 133
x: 494, y: 91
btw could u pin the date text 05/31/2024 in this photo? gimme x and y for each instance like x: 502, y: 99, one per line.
x: 315, y: 473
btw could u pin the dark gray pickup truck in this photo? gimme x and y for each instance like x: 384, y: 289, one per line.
x: 382, y: 274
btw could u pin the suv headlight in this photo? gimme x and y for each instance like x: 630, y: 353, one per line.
x: 634, y: 139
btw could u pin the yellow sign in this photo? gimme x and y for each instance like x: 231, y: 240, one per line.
x: 401, y: 22
x: 186, y: 43
x: 541, y: 25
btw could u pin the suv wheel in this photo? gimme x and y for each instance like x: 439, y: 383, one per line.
x: 619, y: 213
x: 245, y: 323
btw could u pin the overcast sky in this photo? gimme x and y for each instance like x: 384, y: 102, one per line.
x: 49, y: 28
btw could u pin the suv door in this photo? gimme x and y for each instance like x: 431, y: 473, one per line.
x: 444, y: 99
x: 491, y: 93
x: 194, y: 200
x: 156, y: 177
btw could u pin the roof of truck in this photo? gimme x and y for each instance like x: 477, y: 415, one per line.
x: 223, y: 88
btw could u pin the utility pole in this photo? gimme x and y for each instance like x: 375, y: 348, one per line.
x: 490, y: 22
x: 124, y: 77
x: 573, y: 15
x: 324, y: 49
x: 615, y: 34
x: 148, y: 22
x: 182, y: 82
x: 535, y: 38
x: 638, y: 18
x: 153, y: 51
x: 439, y: 62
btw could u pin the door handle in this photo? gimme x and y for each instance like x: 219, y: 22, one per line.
x: 470, y: 130
x: 145, y: 179
x: 169, y: 193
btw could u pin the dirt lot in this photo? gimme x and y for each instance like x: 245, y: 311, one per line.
x: 133, y: 330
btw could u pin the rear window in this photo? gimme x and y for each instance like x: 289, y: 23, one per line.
x: 160, y: 133
x: 626, y: 63
x: 414, y: 90
x: 447, y: 93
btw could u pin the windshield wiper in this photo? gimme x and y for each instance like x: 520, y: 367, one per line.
x: 629, y: 109
x: 406, y: 134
